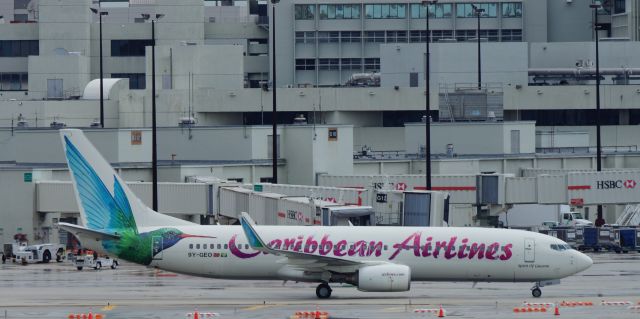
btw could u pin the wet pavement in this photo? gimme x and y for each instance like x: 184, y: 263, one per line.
x: 57, y: 290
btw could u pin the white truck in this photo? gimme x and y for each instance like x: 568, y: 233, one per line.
x: 568, y: 219
x: 89, y: 261
x: 42, y: 253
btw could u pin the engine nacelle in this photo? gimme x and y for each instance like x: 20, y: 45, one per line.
x: 384, y: 278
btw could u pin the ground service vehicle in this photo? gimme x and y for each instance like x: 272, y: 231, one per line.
x: 88, y: 261
x: 43, y: 253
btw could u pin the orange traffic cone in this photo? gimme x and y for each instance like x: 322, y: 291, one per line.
x: 90, y: 316
x: 196, y: 315
x: 557, y: 311
x: 441, y: 312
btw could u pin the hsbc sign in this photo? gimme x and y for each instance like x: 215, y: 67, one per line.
x: 616, y: 184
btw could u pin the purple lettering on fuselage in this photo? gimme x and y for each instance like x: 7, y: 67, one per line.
x: 435, y: 248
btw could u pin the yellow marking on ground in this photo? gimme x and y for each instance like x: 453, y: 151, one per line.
x: 108, y: 308
x: 257, y: 307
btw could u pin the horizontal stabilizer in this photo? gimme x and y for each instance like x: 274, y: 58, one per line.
x: 86, y: 233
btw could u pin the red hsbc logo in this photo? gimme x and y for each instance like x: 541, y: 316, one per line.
x: 630, y: 183
x: 401, y: 186
x: 613, y: 184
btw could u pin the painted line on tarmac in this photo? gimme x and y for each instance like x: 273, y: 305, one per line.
x: 257, y: 307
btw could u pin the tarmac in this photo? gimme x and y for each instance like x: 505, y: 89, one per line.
x: 56, y: 290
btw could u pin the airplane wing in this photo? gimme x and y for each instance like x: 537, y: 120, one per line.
x: 82, y: 232
x: 296, y: 259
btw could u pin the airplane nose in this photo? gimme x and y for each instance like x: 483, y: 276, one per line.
x: 583, y: 262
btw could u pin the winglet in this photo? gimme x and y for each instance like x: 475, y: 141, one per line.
x: 252, y: 236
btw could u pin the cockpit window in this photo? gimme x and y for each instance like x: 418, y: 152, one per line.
x: 560, y: 247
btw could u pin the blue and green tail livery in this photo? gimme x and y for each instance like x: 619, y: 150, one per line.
x: 107, y: 206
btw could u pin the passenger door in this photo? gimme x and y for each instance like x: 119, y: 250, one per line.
x: 529, y: 250
x: 156, y: 247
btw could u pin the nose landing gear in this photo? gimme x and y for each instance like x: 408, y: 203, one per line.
x: 323, y: 291
x: 536, y: 292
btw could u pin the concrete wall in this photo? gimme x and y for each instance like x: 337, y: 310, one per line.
x: 569, y: 20
x: 453, y: 63
x: 18, y: 205
x: 471, y: 138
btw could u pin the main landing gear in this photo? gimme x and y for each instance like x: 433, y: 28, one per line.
x: 323, y: 291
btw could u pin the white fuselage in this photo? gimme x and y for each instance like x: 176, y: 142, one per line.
x: 432, y: 253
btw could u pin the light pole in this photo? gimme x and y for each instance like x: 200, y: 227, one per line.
x: 595, y: 6
x: 154, y: 144
x: 427, y: 147
x: 274, y: 114
x: 100, y: 14
x: 478, y: 12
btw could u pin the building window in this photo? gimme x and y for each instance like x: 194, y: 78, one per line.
x: 465, y: 35
x: 351, y: 64
x: 14, y: 81
x: 339, y: 11
x: 374, y: 36
x: 386, y: 11
x: 351, y: 36
x: 511, y: 35
x: 305, y: 11
x: 619, y: 6
x: 372, y: 64
x: 465, y: 10
x: 328, y: 36
x: 137, y: 81
x: 417, y: 36
x: 437, y: 35
x: 490, y: 35
x: 129, y: 47
x: 328, y: 64
x: 512, y: 9
x: 306, y: 37
x: 305, y: 64
x: 436, y: 11
x: 396, y: 36
x: 18, y: 48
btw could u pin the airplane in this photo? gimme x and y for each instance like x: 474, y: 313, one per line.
x: 371, y: 258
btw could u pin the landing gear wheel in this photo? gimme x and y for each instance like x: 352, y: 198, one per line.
x: 536, y: 292
x: 46, y: 257
x: 323, y: 291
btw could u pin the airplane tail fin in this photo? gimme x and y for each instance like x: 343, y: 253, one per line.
x: 106, y: 203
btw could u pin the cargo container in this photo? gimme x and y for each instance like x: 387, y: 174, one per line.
x: 589, y: 239
x: 626, y: 239
x: 566, y: 234
x: 342, y: 196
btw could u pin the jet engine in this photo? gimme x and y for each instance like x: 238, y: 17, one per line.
x: 384, y: 278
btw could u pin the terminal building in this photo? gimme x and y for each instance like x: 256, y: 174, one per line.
x: 350, y: 90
